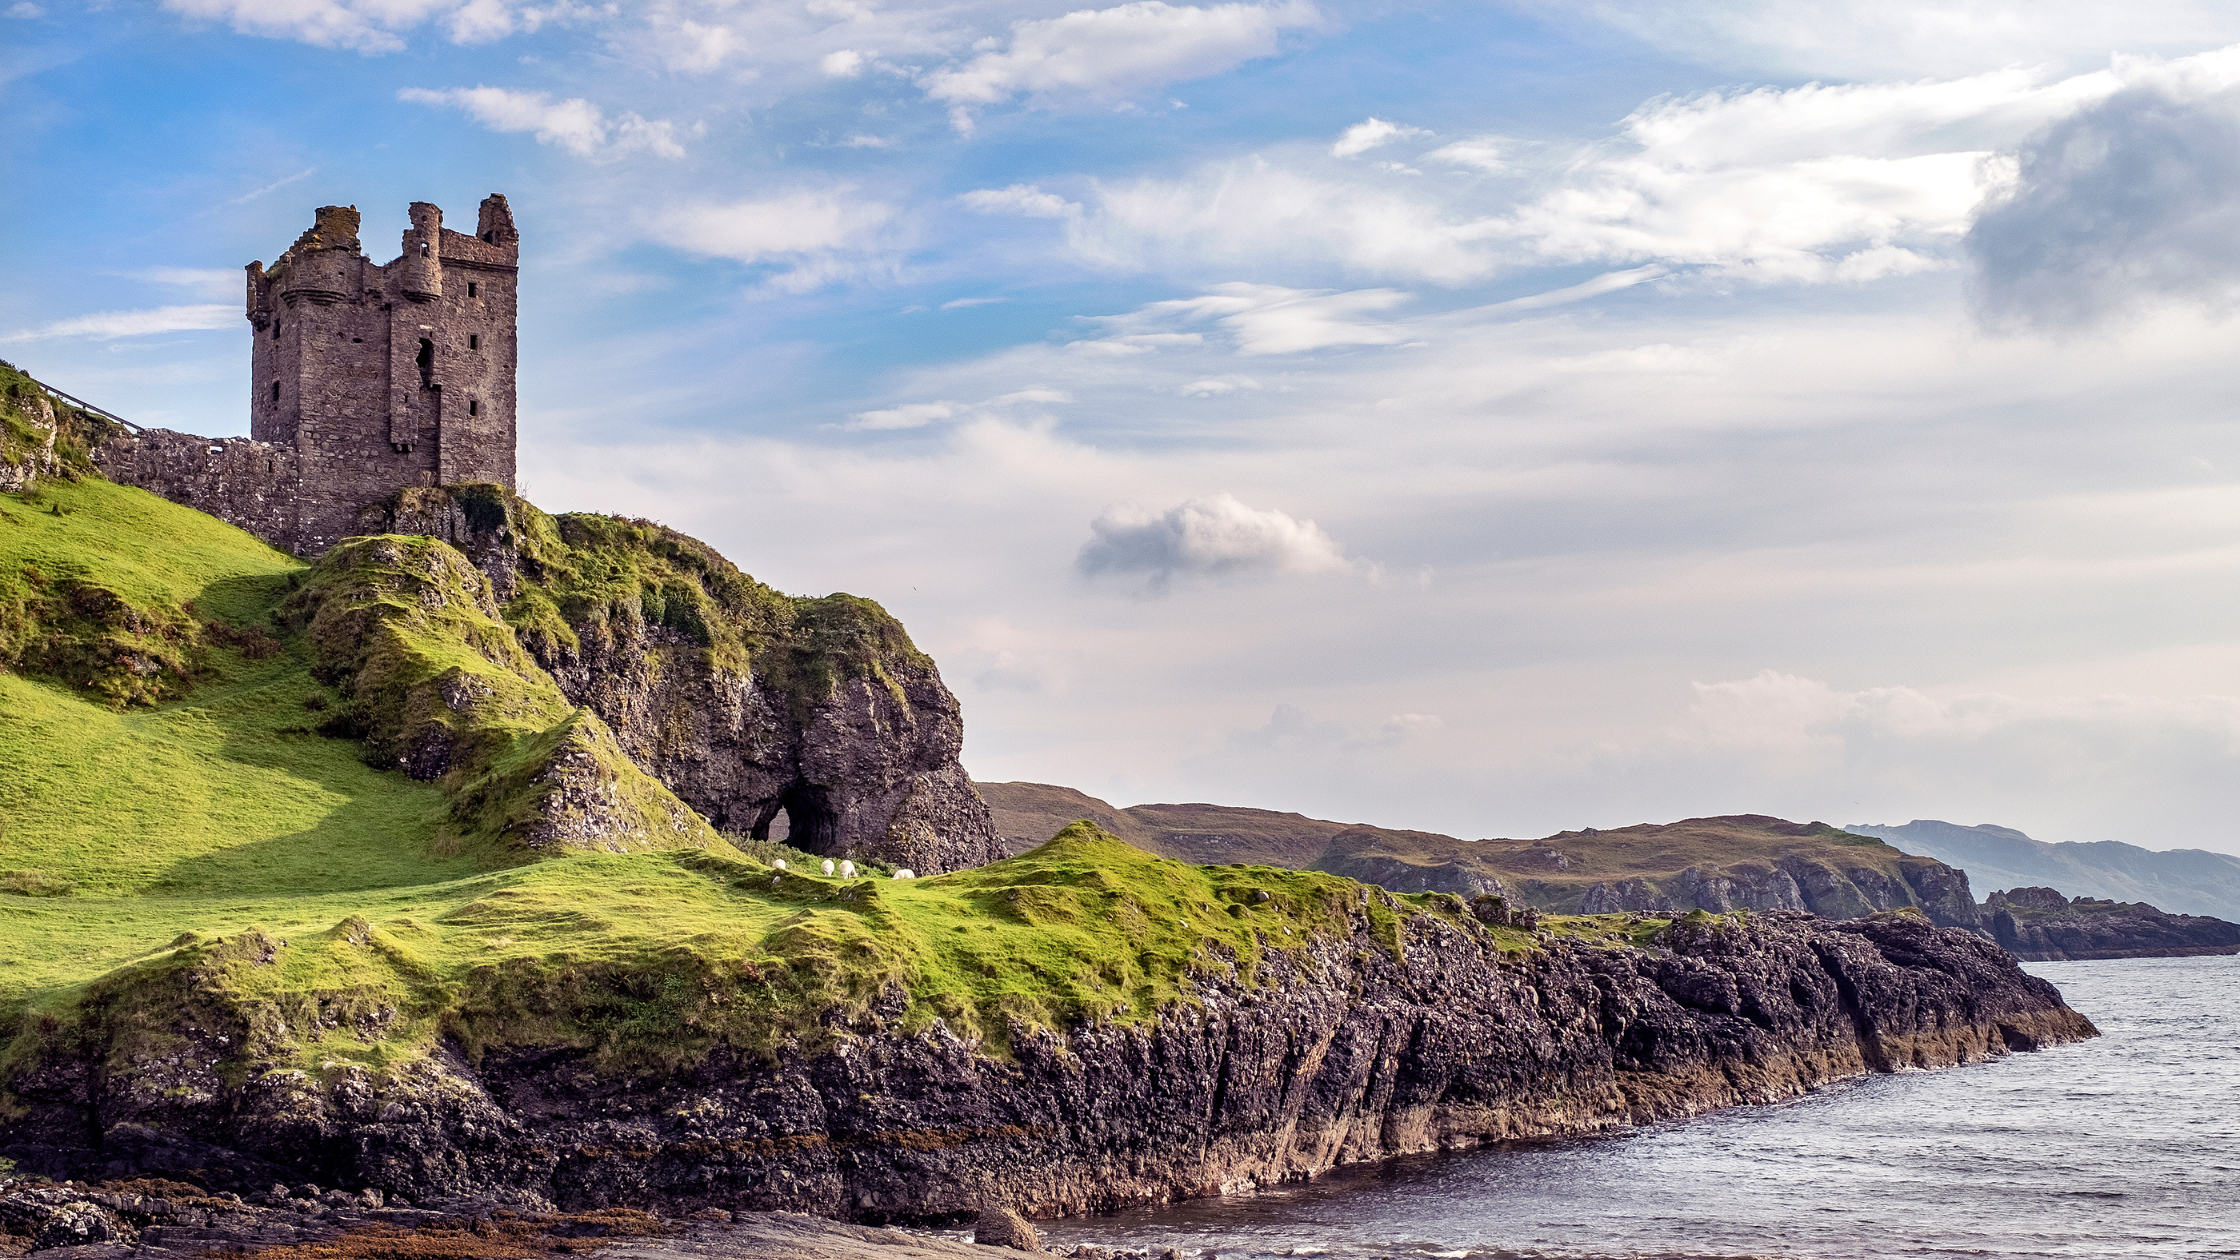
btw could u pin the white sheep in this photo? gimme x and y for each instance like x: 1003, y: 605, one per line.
x: 905, y: 872
x: 847, y: 870
x: 780, y: 864
x: 828, y: 867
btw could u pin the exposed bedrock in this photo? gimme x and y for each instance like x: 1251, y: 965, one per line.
x: 1343, y: 1052
x: 746, y: 703
x: 1797, y: 882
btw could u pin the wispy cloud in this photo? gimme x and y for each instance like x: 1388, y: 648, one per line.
x: 274, y: 186
x: 109, y: 325
x: 1260, y: 319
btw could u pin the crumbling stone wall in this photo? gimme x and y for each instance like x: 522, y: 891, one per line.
x: 256, y: 485
x: 364, y: 379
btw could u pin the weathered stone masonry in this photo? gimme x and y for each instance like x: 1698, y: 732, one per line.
x: 364, y: 379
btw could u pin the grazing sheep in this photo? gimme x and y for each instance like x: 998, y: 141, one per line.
x: 847, y: 870
x: 905, y: 872
x: 828, y: 866
x: 780, y: 864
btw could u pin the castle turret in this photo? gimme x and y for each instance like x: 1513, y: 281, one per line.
x: 420, y: 269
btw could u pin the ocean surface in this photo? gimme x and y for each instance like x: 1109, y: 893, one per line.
x: 2127, y: 1145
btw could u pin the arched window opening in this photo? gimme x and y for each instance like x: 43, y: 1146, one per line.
x: 426, y: 360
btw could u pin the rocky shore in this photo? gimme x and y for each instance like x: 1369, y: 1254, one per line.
x: 2042, y: 925
x: 1360, y: 1047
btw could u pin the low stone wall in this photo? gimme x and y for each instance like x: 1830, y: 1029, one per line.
x: 255, y: 485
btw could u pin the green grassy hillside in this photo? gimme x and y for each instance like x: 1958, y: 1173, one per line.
x: 208, y: 823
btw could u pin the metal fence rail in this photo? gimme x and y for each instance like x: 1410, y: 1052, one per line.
x: 82, y: 405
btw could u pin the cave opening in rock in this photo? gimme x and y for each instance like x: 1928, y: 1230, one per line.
x: 803, y: 817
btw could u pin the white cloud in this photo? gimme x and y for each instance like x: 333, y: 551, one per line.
x: 842, y: 63
x: 1905, y: 39
x: 966, y: 303
x: 576, y: 125
x: 1216, y: 386
x: 370, y: 26
x: 907, y: 416
x: 1020, y: 199
x: 1264, y: 319
x: 862, y: 141
x: 25, y: 9
x: 1820, y: 183
x: 109, y: 325
x: 1482, y: 153
x: 816, y: 236
x: 1213, y: 536
x: 1102, y: 55
x: 919, y: 415
x: 1370, y: 133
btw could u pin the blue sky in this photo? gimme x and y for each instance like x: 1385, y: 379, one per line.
x: 1488, y: 418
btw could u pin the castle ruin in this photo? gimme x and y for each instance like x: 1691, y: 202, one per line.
x: 365, y: 379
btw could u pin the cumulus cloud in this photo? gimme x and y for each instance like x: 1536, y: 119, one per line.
x: 1214, y: 536
x: 1103, y: 55
x: 842, y: 63
x: 1368, y: 134
x: 576, y: 125
x: 1259, y: 319
x: 109, y: 325
x: 815, y: 236
x: 2132, y: 200
x: 370, y: 26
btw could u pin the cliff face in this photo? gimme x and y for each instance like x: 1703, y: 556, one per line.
x: 1364, y: 1045
x: 746, y: 703
x: 2042, y: 925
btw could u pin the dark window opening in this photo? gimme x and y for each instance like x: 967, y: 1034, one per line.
x: 470, y: 288
x: 474, y: 406
x: 427, y: 363
x: 276, y: 391
x: 358, y: 340
x: 474, y: 341
x: 423, y: 249
x: 276, y: 330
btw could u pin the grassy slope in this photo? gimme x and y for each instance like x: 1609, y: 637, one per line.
x: 210, y: 854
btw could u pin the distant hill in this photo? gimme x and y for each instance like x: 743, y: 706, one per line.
x: 2186, y: 881
x: 1744, y: 861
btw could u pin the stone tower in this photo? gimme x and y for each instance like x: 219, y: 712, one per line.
x: 380, y: 377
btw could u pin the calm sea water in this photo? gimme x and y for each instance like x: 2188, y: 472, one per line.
x: 2128, y: 1145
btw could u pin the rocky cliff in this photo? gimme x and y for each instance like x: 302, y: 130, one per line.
x: 1382, y: 1027
x: 2042, y: 925
x: 744, y: 702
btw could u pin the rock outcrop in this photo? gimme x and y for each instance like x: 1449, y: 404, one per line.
x: 1360, y: 1046
x: 2042, y: 925
x: 746, y: 703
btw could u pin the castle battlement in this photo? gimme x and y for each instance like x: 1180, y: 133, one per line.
x: 365, y: 379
